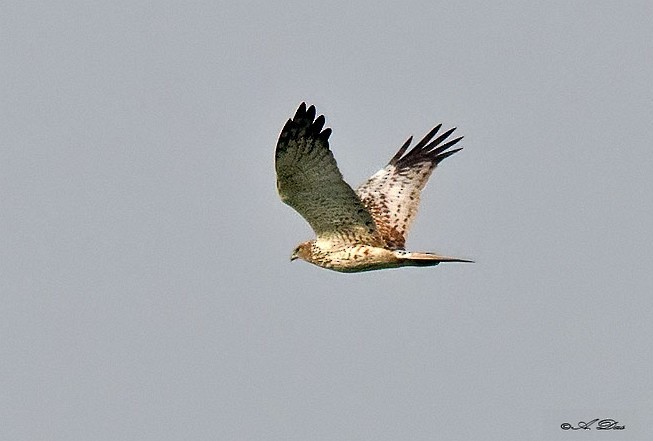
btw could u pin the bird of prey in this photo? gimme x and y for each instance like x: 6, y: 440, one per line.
x: 363, y: 229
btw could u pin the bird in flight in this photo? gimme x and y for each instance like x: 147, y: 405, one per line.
x: 363, y: 229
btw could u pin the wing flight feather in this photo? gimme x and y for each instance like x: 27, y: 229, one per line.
x: 392, y: 194
x: 308, y: 179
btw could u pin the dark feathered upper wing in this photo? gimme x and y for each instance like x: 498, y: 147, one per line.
x: 309, y: 181
x: 392, y: 194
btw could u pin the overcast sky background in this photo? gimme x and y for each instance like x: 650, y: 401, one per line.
x: 146, y: 291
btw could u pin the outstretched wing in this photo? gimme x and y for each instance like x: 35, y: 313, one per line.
x: 392, y: 194
x: 309, y: 181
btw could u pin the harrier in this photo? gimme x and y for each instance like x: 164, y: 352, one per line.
x: 359, y: 230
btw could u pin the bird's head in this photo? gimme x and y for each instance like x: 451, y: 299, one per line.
x: 302, y: 251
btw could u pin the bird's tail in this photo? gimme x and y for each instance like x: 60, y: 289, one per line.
x: 425, y: 259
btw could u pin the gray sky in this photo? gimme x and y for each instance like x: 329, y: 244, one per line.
x: 146, y: 288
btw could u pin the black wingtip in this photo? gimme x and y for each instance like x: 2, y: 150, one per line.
x: 444, y: 147
x: 427, y: 151
x: 444, y: 155
x: 441, y: 138
x: 428, y: 137
x: 301, y: 111
x: 310, y: 113
x: 325, y: 134
x: 318, y: 124
x: 401, y: 151
x: 304, y: 123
